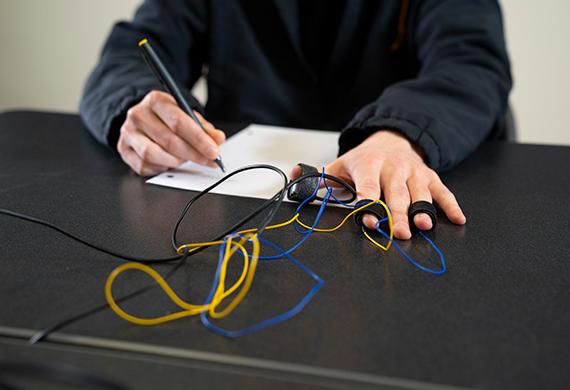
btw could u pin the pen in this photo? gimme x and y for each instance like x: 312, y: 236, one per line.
x: 161, y: 73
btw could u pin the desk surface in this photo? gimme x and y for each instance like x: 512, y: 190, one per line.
x: 498, y: 319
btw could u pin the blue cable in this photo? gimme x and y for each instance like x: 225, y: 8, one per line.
x: 286, y: 253
x: 307, y: 200
x: 336, y: 200
x: 410, y: 259
x: 307, y: 234
x: 271, y: 321
x: 281, y: 253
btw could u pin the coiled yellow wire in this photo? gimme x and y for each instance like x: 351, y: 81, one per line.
x: 221, y: 294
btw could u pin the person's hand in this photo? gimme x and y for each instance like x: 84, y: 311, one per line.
x: 386, y: 162
x: 158, y: 135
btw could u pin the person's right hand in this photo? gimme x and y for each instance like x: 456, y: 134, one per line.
x: 158, y: 135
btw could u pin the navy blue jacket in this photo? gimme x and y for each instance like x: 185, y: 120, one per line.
x: 435, y: 70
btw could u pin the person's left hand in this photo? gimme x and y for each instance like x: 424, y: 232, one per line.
x: 387, y: 162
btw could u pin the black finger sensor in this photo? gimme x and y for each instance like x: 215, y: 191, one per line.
x: 306, y: 186
x: 425, y: 207
x: 375, y: 209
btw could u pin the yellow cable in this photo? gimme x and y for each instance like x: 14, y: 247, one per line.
x: 188, y: 308
x: 245, y: 280
x: 378, y: 201
x: 247, y: 285
x: 278, y: 225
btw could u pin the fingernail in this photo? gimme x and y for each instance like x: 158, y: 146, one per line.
x: 370, y: 221
x: 422, y: 221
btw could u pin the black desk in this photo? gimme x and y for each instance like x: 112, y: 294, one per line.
x: 498, y: 319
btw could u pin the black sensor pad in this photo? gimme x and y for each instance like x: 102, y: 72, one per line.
x: 300, y: 191
x: 375, y: 209
x: 423, y: 206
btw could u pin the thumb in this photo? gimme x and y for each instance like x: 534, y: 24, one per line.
x: 295, y: 172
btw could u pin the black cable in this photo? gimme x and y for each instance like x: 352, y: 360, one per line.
x: 42, y: 334
x: 335, y: 179
x: 277, y: 198
x: 274, y: 201
x: 87, y: 243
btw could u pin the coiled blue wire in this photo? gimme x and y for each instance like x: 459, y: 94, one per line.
x: 287, y: 254
x: 271, y: 321
x: 443, y: 268
x: 281, y: 254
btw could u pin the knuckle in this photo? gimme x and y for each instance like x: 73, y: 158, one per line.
x: 399, y: 191
x: 144, y: 152
x: 366, y: 188
x: 134, y: 114
x: 153, y: 97
x: 420, y: 179
x: 396, y: 162
x: 170, y: 142
x: 432, y: 175
x: 399, y: 216
x: 372, y: 159
x: 175, y: 123
x: 125, y: 132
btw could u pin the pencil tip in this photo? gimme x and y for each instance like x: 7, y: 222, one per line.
x: 221, y: 164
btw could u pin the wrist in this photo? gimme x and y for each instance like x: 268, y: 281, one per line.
x: 396, y: 140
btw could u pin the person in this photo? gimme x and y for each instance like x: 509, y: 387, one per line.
x: 414, y: 85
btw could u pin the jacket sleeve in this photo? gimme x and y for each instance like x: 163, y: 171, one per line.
x: 177, y: 31
x: 460, y: 91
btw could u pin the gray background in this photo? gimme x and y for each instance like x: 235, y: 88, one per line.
x: 48, y: 48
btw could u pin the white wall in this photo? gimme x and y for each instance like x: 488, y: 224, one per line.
x: 538, y: 37
x: 49, y: 46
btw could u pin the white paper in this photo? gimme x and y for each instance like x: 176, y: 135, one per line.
x: 256, y: 144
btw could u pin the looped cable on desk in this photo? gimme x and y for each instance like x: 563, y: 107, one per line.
x: 218, y: 292
x: 230, y: 244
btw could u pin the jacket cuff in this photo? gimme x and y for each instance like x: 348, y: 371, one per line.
x: 413, y: 127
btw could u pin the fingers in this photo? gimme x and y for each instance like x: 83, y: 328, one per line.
x: 447, y: 202
x: 146, y: 149
x: 295, y: 172
x: 387, y: 162
x: 162, y: 136
x: 217, y: 135
x: 182, y: 125
x: 136, y: 163
x: 145, y: 122
x: 418, y: 185
x: 398, y: 198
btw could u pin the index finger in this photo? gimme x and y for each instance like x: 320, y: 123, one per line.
x: 185, y: 127
x: 367, y: 183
